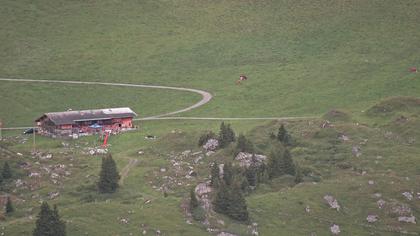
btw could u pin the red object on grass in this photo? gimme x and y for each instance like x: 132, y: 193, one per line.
x: 413, y: 69
x: 105, y: 139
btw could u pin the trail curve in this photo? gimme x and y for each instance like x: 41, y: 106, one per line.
x: 206, y: 96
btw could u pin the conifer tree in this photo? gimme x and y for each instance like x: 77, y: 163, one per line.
x: 59, y: 225
x: 298, y: 175
x: 223, y: 142
x: 48, y: 222
x: 244, y: 145
x: 230, y: 134
x: 287, y: 164
x: 7, y: 172
x: 275, y: 164
x: 108, y: 177
x: 228, y: 173
x: 226, y: 135
x: 283, y: 136
x: 231, y: 202
x: 251, y: 174
x: 9, y: 206
x: 238, y: 209
x: 215, y: 178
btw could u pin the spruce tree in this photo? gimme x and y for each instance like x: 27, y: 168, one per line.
x: 223, y: 141
x: 228, y: 173
x: 230, y: 134
x: 287, y: 163
x: 226, y: 135
x: 7, y: 172
x: 231, y: 202
x: 251, y: 174
x: 244, y: 145
x: 215, y: 178
x: 238, y: 209
x: 48, y: 222
x: 283, y: 136
x: 59, y: 225
x: 9, y: 206
x: 275, y: 164
x: 108, y: 177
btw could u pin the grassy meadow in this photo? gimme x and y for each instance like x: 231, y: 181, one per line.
x: 302, y: 58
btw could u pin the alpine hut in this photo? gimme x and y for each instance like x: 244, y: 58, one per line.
x: 75, y: 123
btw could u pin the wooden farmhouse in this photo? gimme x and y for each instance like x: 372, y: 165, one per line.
x: 79, y: 123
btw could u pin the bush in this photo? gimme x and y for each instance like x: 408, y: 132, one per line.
x: 198, y: 214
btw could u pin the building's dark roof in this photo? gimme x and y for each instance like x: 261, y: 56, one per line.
x: 70, y: 117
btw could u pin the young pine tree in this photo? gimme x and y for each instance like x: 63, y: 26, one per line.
x: 228, y: 173
x: 238, y: 209
x: 283, y: 136
x: 48, y: 222
x: 223, y: 140
x: 231, y: 137
x: 230, y: 201
x: 7, y: 172
x: 275, y: 164
x: 298, y: 175
x: 108, y: 177
x: 215, y: 178
x: 226, y: 135
x: 287, y: 164
x: 244, y: 145
x: 251, y: 174
x: 9, y: 206
x: 59, y: 225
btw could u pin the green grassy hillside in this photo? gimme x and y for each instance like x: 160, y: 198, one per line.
x: 335, y: 59
x: 302, y: 58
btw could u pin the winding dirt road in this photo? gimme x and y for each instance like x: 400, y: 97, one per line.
x: 206, y: 97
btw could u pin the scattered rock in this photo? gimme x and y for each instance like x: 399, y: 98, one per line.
x: 209, y: 153
x: 226, y: 234
x: 53, y: 195
x: 371, y: 182
x: 377, y: 195
x: 380, y: 203
x: 356, y: 151
x: 408, y: 195
x: 150, y: 137
x: 211, y: 145
x: 407, y: 219
x: 246, y: 159
x: 343, y: 137
x: 372, y: 218
x: 335, y: 229
x: 332, y: 202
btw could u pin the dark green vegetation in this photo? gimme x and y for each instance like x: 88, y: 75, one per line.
x: 108, y: 177
x: 49, y: 223
x: 9, y: 209
x: 301, y: 58
x: 323, y: 158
